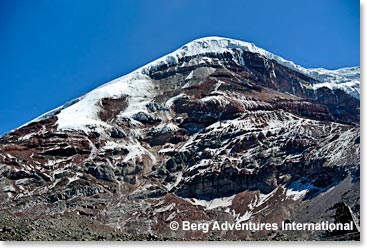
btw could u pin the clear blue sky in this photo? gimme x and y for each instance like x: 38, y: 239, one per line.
x: 54, y: 51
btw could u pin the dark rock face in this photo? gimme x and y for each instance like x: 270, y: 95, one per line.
x: 117, y: 133
x: 253, y: 136
x: 339, y: 103
x: 101, y: 172
x: 207, y: 112
x: 154, y: 107
x: 145, y: 118
x: 110, y: 107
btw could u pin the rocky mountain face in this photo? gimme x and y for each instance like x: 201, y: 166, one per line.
x: 219, y: 130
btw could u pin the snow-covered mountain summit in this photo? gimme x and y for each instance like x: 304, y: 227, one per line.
x: 347, y: 79
x: 139, y: 89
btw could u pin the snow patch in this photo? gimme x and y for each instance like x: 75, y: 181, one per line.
x: 297, y: 191
x: 223, y: 202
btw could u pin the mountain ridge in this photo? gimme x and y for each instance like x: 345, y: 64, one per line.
x: 211, y: 44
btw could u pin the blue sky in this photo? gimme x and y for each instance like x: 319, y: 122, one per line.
x: 54, y: 51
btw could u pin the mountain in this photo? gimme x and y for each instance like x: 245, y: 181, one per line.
x: 218, y: 130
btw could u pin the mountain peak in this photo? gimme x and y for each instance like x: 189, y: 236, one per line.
x: 346, y: 79
x: 216, y: 44
x: 203, y: 52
